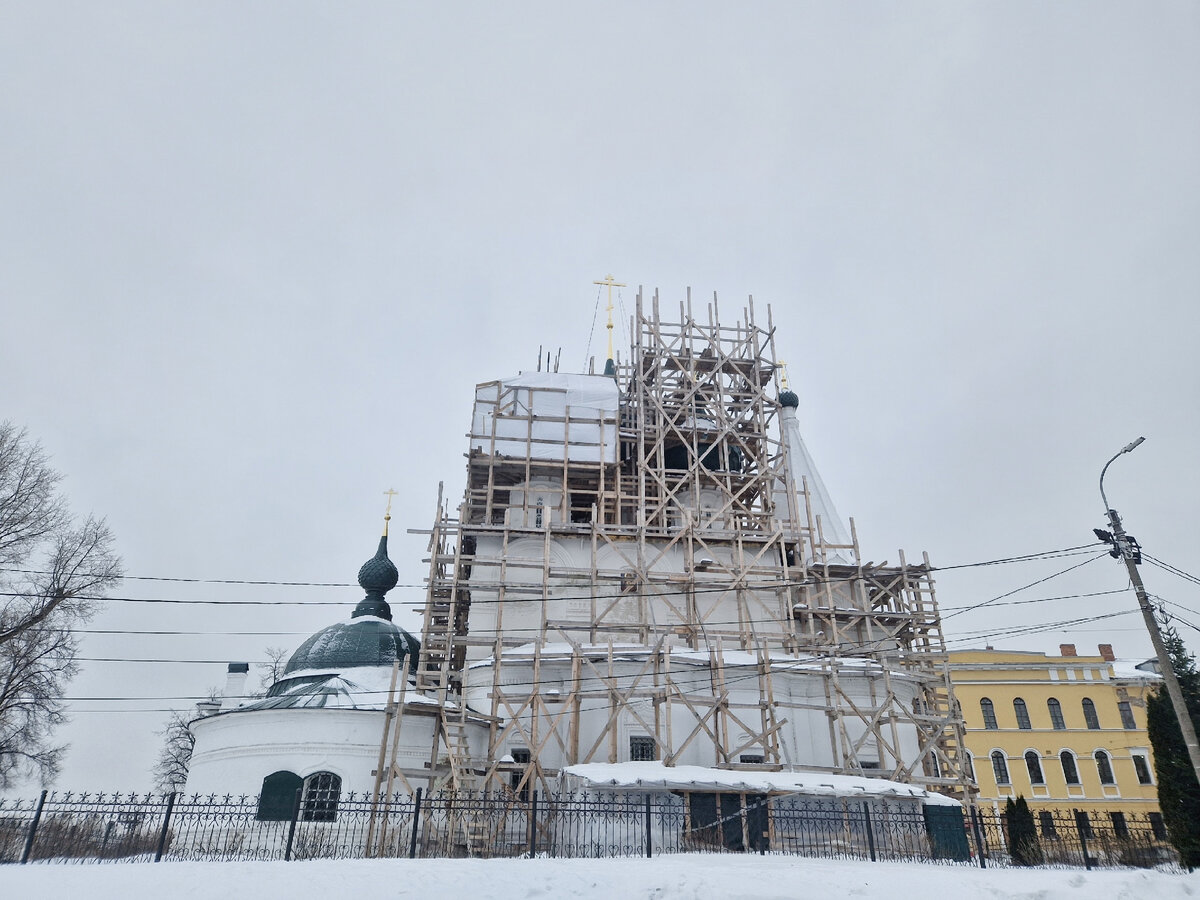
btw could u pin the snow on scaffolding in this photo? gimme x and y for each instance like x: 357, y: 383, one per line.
x: 533, y: 414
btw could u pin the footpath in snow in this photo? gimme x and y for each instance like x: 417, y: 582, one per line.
x: 681, y: 877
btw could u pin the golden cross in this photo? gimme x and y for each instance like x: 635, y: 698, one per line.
x: 387, y: 516
x: 608, y: 280
x: 783, y: 376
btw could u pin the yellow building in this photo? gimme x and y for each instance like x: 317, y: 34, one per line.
x: 1067, y: 732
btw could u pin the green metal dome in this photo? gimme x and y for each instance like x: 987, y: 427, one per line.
x: 788, y: 398
x: 370, y: 638
x: 362, y: 641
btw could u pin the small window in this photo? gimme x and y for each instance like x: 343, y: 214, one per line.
x: 1089, y: 715
x: 540, y: 514
x: 1022, y: 712
x: 1104, y: 767
x: 969, y: 764
x: 1120, y: 827
x: 1143, y: 769
x: 521, y: 757
x: 1157, y: 826
x: 1127, y: 720
x: 1000, y: 767
x: 989, y: 714
x: 1034, y: 765
x: 1084, y: 824
x: 751, y: 758
x: 1056, y: 715
x: 322, y: 790
x: 642, y: 749
x: 1046, y: 820
x: 1070, y: 770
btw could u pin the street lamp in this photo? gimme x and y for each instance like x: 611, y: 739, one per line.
x: 1126, y: 547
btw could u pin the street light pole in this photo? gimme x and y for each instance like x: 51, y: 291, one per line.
x: 1131, y: 554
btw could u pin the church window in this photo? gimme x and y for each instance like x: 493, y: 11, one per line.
x: 1034, y: 765
x: 1070, y: 770
x: 1000, y: 767
x: 989, y: 714
x: 278, y: 796
x: 1056, y: 715
x: 521, y: 757
x: 642, y: 748
x: 1104, y: 767
x: 1143, y: 769
x: 322, y: 790
x: 541, y: 512
x: 1022, y: 712
x: 1127, y: 720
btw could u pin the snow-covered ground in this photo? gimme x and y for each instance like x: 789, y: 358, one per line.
x: 682, y: 877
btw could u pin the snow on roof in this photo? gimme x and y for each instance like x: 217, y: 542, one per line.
x: 1128, y: 669
x: 330, y: 689
x: 632, y: 775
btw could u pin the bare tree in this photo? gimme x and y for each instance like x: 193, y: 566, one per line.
x: 171, y: 770
x: 277, y: 658
x: 53, y: 571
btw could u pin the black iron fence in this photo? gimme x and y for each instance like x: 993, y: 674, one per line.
x: 142, y: 827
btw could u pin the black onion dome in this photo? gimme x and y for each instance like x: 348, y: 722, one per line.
x: 377, y: 576
x: 789, y: 399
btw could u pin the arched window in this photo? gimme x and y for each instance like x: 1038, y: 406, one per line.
x: 1022, y: 712
x: 1056, y: 716
x: 1104, y: 767
x: 1089, y: 715
x: 989, y: 714
x: 969, y: 763
x: 278, y: 796
x: 1000, y: 767
x: 1034, y: 765
x: 321, y: 793
x: 541, y: 510
x: 1070, y: 770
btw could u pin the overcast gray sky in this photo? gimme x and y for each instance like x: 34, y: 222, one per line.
x: 254, y: 256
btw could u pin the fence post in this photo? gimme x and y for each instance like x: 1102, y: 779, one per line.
x: 287, y: 854
x: 532, y: 823
x: 33, y: 827
x: 649, y: 845
x: 162, y: 835
x: 870, y: 830
x: 416, y: 822
x: 980, y: 848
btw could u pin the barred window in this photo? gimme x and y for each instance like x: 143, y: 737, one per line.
x: 521, y: 757
x: 1104, y: 767
x: 1000, y: 767
x: 1056, y: 715
x: 1049, y: 830
x: 1142, y: 766
x: 642, y: 748
x: 1084, y: 824
x: 1070, y: 770
x: 1034, y: 765
x: 1127, y: 720
x: 322, y: 790
x: 1022, y: 712
x: 1157, y: 826
x: 989, y: 714
x: 1120, y: 827
x: 1089, y: 715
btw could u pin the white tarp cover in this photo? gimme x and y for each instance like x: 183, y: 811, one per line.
x: 532, y: 414
x: 643, y: 775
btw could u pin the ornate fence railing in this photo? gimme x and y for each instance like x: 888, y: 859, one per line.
x: 104, y: 827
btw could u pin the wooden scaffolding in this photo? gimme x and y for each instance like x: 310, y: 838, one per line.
x: 644, y: 563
